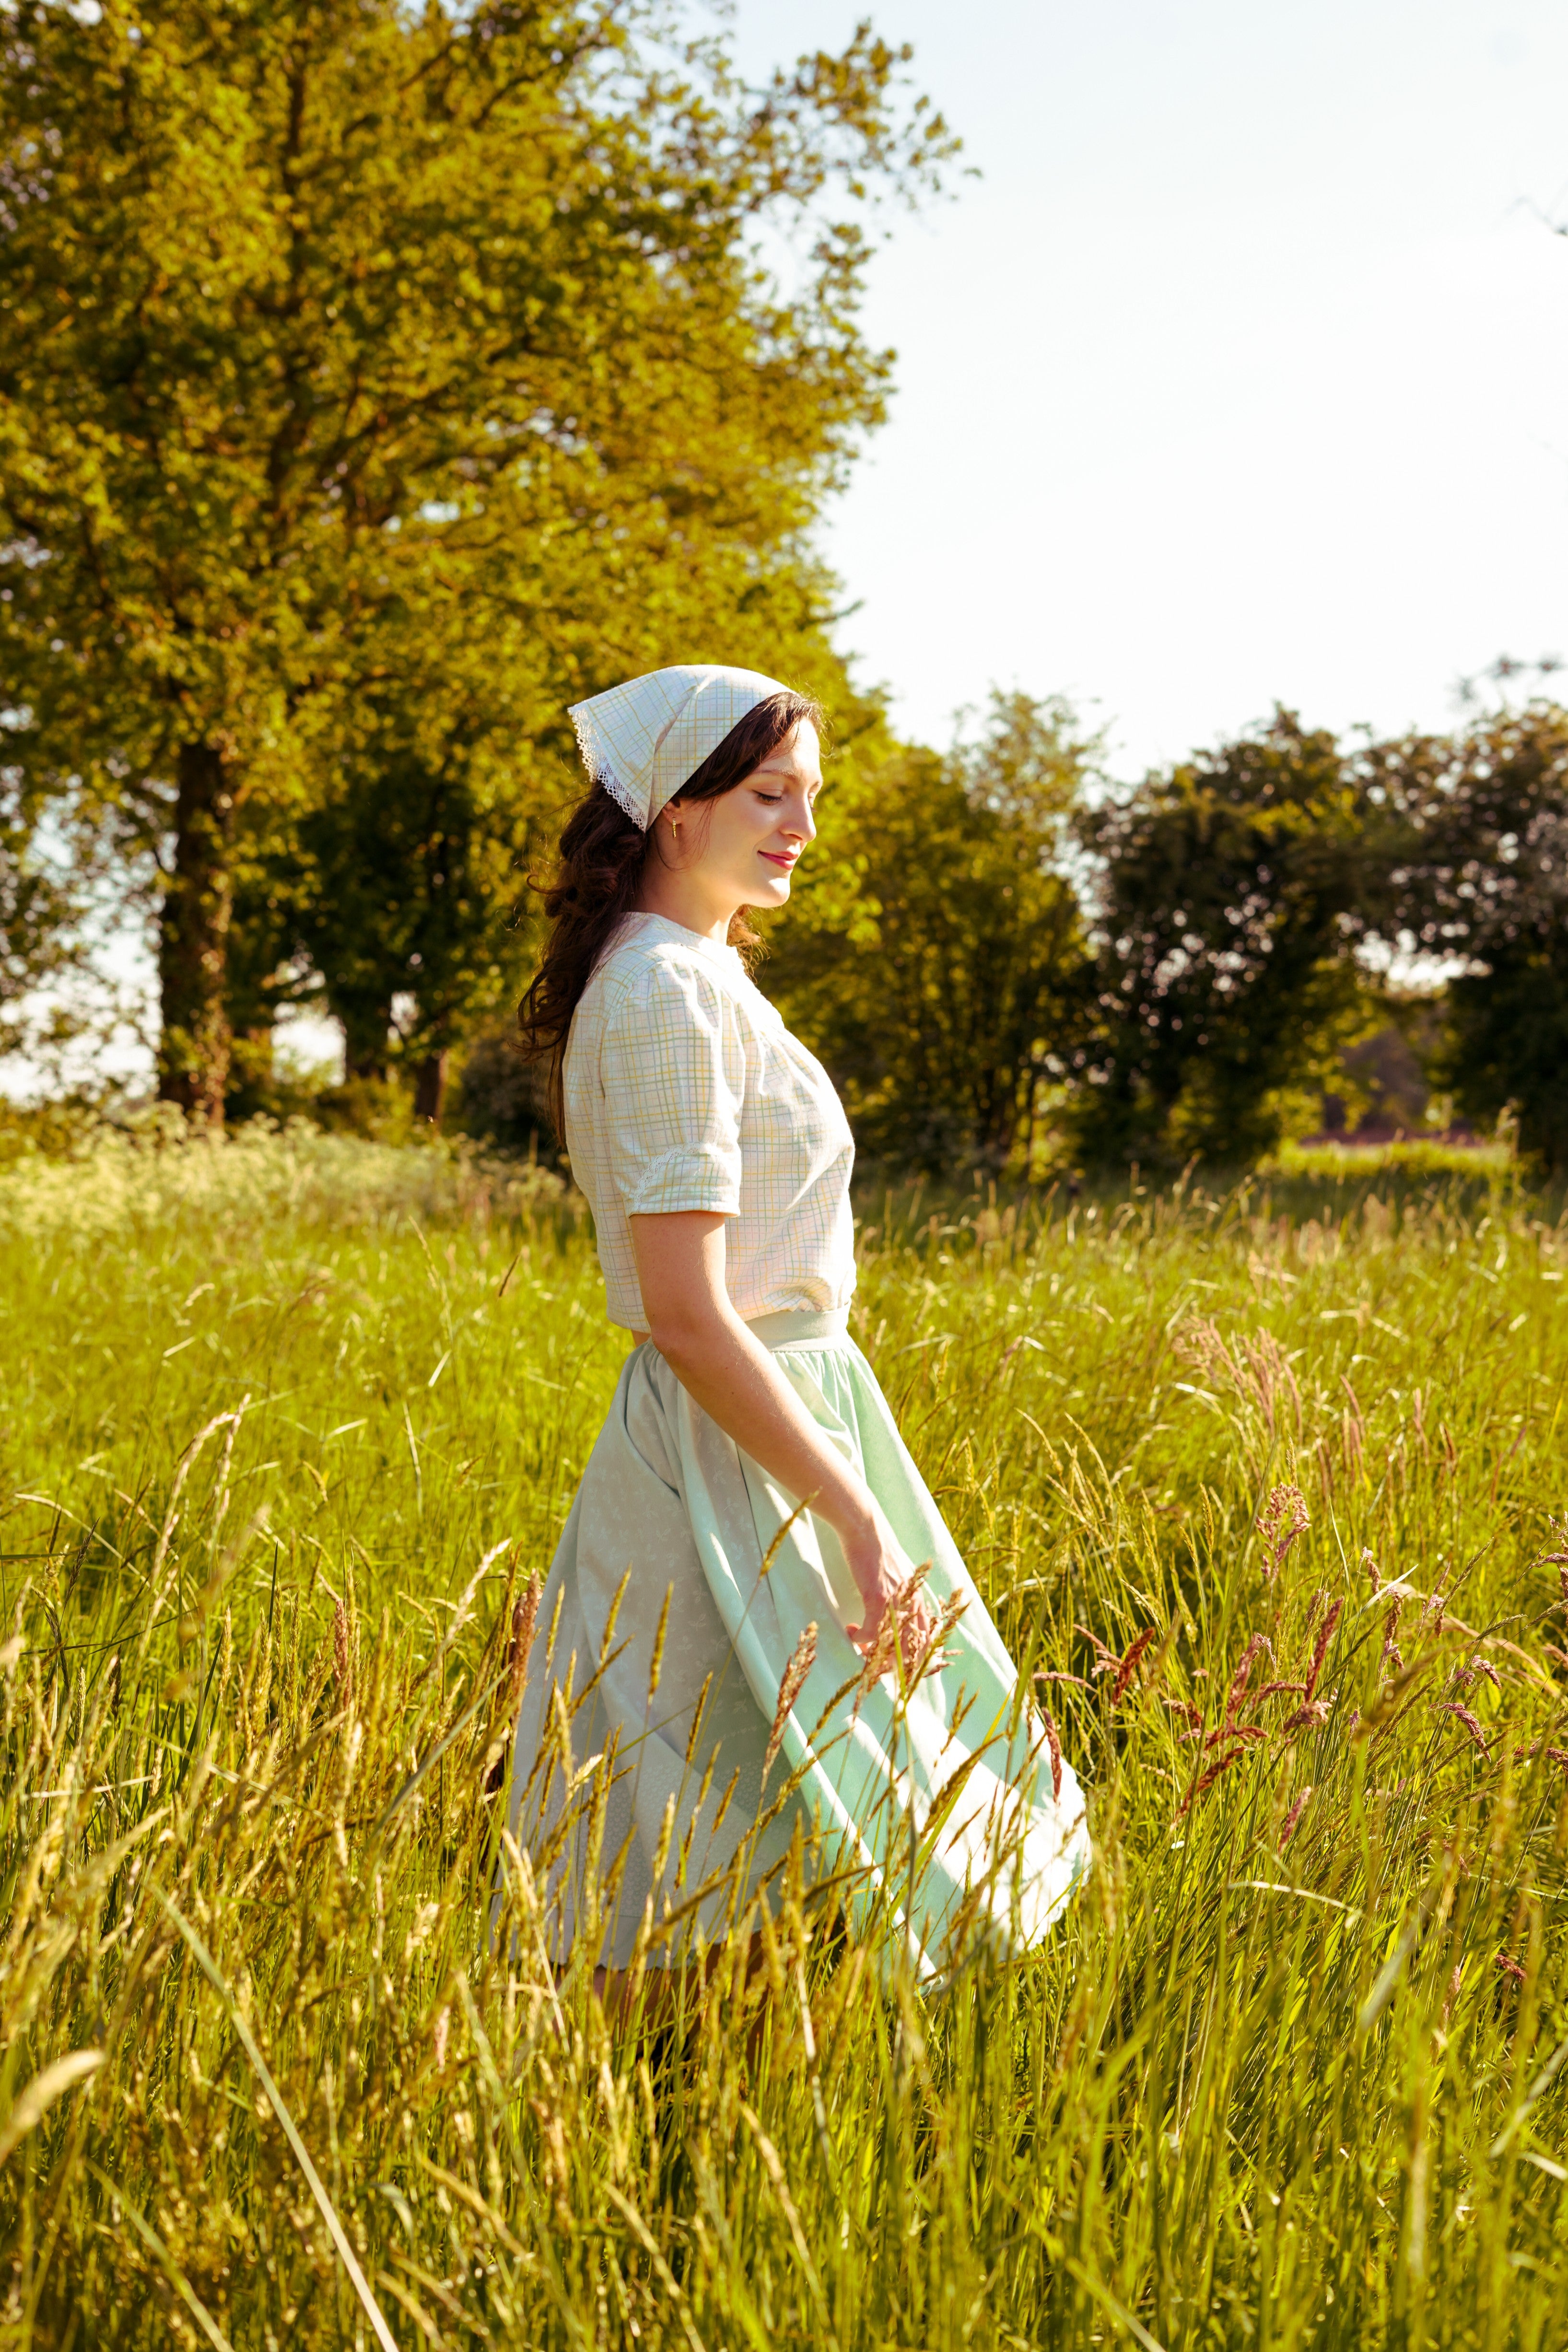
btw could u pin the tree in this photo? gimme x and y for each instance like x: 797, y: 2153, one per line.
x: 1230, y: 899
x: 1482, y: 878
x: 934, y: 958
x: 417, y: 871
x: 331, y: 326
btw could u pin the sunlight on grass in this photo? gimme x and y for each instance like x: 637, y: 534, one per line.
x: 1261, y: 1486
x: 1411, y: 1156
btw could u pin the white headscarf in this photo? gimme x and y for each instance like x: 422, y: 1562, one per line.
x: 643, y: 741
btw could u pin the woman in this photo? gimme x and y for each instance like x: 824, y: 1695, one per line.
x: 743, y: 1557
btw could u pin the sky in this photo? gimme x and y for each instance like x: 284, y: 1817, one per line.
x: 1240, y: 375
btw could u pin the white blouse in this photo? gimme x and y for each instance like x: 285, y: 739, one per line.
x: 685, y: 1090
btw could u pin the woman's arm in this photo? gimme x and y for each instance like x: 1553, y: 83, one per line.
x: 680, y: 1266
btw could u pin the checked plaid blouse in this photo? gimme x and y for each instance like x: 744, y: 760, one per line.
x: 685, y: 1090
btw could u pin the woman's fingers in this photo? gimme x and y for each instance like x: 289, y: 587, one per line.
x: 919, y: 1625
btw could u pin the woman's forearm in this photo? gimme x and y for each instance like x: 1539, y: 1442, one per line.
x: 735, y: 1381
x: 729, y: 1372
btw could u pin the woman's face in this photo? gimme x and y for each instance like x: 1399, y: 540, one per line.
x: 741, y: 849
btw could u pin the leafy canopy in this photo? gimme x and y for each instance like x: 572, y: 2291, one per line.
x: 342, y: 345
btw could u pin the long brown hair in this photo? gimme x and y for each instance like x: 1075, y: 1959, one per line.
x: 598, y: 876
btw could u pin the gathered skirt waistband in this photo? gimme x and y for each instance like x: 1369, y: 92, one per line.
x: 799, y: 1326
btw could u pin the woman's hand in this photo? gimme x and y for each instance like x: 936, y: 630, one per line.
x: 883, y: 1570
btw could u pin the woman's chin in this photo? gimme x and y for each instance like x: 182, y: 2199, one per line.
x: 772, y: 892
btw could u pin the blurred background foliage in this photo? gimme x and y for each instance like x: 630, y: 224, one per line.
x: 374, y: 382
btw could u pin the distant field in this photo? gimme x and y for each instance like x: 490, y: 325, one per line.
x: 285, y: 1428
x: 1413, y: 1156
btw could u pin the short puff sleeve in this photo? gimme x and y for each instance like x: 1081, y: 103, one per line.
x: 673, y: 1065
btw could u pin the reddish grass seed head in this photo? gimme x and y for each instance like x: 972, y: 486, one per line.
x: 1288, y: 1828
x: 1470, y: 1724
x: 1307, y: 1718
x: 1257, y: 1644
x: 1209, y: 1778
x: 1321, y: 1648
x: 1129, y: 1665
x: 1192, y: 1717
x: 1053, y: 1741
x: 1283, y: 1518
x: 1391, y: 1628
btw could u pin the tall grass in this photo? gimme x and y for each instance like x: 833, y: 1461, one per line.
x: 275, y: 1467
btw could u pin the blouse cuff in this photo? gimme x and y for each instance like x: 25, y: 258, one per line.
x: 699, y: 1176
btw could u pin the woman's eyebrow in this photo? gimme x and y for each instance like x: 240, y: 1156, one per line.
x: 765, y: 768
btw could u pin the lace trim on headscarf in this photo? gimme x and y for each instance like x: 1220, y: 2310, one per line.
x: 597, y: 761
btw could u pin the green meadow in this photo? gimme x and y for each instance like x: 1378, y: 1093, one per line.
x: 1261, y: 1483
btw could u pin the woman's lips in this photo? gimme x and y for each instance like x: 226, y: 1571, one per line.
x: 775, y: 857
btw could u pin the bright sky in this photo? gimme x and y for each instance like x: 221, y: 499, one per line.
x: 1241, y: 374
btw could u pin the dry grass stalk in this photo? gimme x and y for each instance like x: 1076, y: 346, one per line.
x: 801, y: 1659
x: 524, y: 1624
x: 343, y: 1654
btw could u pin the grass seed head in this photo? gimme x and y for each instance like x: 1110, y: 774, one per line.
x: 1210, y: 1777
x: 803, y: 1657
x: 1053, y: 1741
x: 1257, y: 1643
x: 892, y: 1641
x: 1283, y: 1518
x: 524, y: 1622
x: 1391, y: 1628
x: 1129, y: 1664
x: 1470, y: 1724
x: 342, y: 1653
x: 1288, y: 1827
x: 1321, y: 1648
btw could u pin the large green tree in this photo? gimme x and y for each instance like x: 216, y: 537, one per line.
x: 934, y: 956
x: 1481, y: 881
x: 332, y: 328
x: 1232, y: 891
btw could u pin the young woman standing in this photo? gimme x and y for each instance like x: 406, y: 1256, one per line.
x: 749, y: 1517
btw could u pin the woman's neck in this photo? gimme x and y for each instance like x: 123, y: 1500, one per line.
x: 681, y: 899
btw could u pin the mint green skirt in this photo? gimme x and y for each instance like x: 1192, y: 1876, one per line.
x: 669, y: 1616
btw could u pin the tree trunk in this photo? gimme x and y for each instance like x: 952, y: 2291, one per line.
x: 193, y: 939
x: 430, y: 1087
